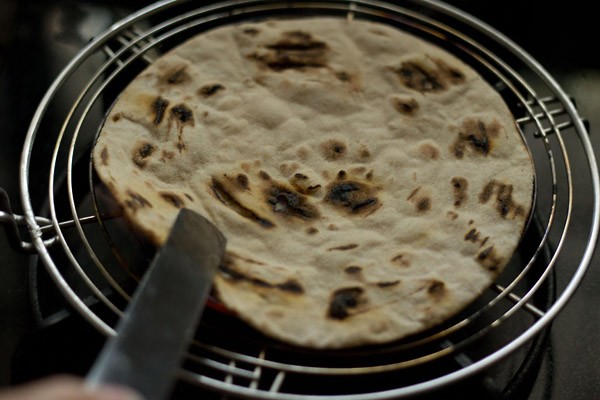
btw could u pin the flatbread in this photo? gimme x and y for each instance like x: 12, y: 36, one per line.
x: 370, y: 184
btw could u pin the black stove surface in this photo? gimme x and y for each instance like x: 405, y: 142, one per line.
x: 37, y: 39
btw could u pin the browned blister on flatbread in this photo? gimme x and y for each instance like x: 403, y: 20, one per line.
x: 370, y: 184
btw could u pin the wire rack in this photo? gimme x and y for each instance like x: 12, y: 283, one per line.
x: 95, y: 260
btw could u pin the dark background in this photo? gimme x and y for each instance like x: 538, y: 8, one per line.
x: 37, y: 38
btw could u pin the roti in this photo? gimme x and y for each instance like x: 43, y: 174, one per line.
x: 370, y: 184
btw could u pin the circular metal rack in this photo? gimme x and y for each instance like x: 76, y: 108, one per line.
x: 95, y: 260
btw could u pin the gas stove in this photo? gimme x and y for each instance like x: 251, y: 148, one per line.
x: 42, y: 332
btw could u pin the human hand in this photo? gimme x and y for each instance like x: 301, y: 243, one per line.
x: 66, y: 388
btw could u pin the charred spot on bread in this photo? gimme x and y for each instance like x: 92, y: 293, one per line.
x: 229, y: 272
x: 141, y: 154
x: 504, y: 202
x: 300, y: 176
x: 182, y: 113
x: 459, y: 188
x: 352, y: 196
x: 489, y: 259
x: 342, y: 302
x: 424, y: 204
x: 429, y: 151
x: 242, y: 181
x: 472, y: 235
x: 475, y: 137
x: 452, y: 215
x: 405, y: 106
x: 251, y: 31
x: 176, y: 77
x: 289, y: 202
x: 415, y: 76
x: 352, y: 80
x: 209, y: 90
x: 436, y: 289
x: 224, y: 196
x: 450, y: 73
x: 159, y: 106
x: 302, y: 184
x: 291, y: 286
x: 425, y: 78
x: 343, y: 247
x: 421, y: 201
x: 401, y: 259
x: 342, y: 76
x: 294, y: 50
x: 146, y: 150
x: 353, y: 270
x: 136, y: 201
x: 264, y: 175
x: 166, y: 155
x: 388, y: 284
x: 364, y: 153
x: 104, y: 156
x: 172, y: 199
x: 333, y: 149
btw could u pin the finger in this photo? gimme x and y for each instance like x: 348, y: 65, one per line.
x: 66, y: 388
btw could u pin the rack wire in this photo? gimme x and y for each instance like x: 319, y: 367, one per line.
x: 89, y: 251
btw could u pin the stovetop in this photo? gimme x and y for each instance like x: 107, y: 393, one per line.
x: 37, y: 38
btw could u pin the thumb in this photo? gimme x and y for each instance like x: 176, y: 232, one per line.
x: 66, y: 388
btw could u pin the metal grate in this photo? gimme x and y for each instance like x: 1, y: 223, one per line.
x: 90, y: 252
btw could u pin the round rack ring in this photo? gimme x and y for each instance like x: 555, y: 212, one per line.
x: 95, y: 260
